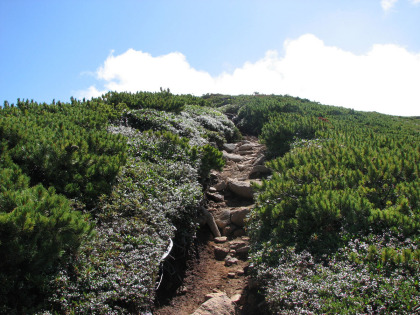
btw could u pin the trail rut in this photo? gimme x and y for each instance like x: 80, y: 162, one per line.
x: 219, y: 266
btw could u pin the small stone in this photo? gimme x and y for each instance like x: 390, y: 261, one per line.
x: 229, y: 261
x: 228, y: 230
x: 245, y: 238
x: 182, y: 290
x: 220, y: 253
x: 215, y: 196
x: 231, y: 275
x: 220, y: 186
x: 229, y: 147
x: 220, y: 239
x: 235, y: 244
x: 240, y: 272
x: 243, y: 251
x: 212, y: 189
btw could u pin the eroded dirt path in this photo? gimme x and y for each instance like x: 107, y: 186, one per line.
x: 218, y: 271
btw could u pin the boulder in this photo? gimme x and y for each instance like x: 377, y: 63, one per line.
x: 241, y: 188
x: 238, y: 216
x: 246, y: 147
x: 222, y: 218
x: 229, y: 147
x: 232, y: 157
x: 221, y: 304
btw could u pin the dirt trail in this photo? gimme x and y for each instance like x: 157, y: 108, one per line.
x: 220, y: 264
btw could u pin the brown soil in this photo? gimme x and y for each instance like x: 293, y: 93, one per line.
x: 204, y: 274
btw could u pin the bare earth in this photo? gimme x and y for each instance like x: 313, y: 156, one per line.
x: 205, y: 274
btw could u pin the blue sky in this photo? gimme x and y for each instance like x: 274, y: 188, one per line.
x: 362, y: 54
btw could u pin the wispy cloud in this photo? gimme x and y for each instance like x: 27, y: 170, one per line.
x: 388, y: 4
x: 385, y: 79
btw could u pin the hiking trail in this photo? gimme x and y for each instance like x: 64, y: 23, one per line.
x: 216, y: 278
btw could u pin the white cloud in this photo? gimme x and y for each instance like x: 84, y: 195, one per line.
x: 386, y: 79
x: 388, y: 4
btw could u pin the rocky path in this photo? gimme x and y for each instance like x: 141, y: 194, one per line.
x: 216, y: 281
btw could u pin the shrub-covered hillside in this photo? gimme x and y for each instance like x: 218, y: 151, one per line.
x: 336, y: 228
x: 93, y: 192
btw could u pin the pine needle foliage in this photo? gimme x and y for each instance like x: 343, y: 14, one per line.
x: 340, y: 177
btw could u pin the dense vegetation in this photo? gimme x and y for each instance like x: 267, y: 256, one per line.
x: 93, y: 191
x: 336, y: 228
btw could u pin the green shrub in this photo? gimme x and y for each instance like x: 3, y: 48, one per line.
x: 211, y: 158
x: 38, y: 230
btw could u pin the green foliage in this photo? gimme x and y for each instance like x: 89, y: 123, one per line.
x: 340, y: 176
x: 162, y: 101
x: 38, y: 229
x: 155, y: 199
x: 211, y: 158
x: 283, y: 130
x: 65, y: 146
x: 136, y: 162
